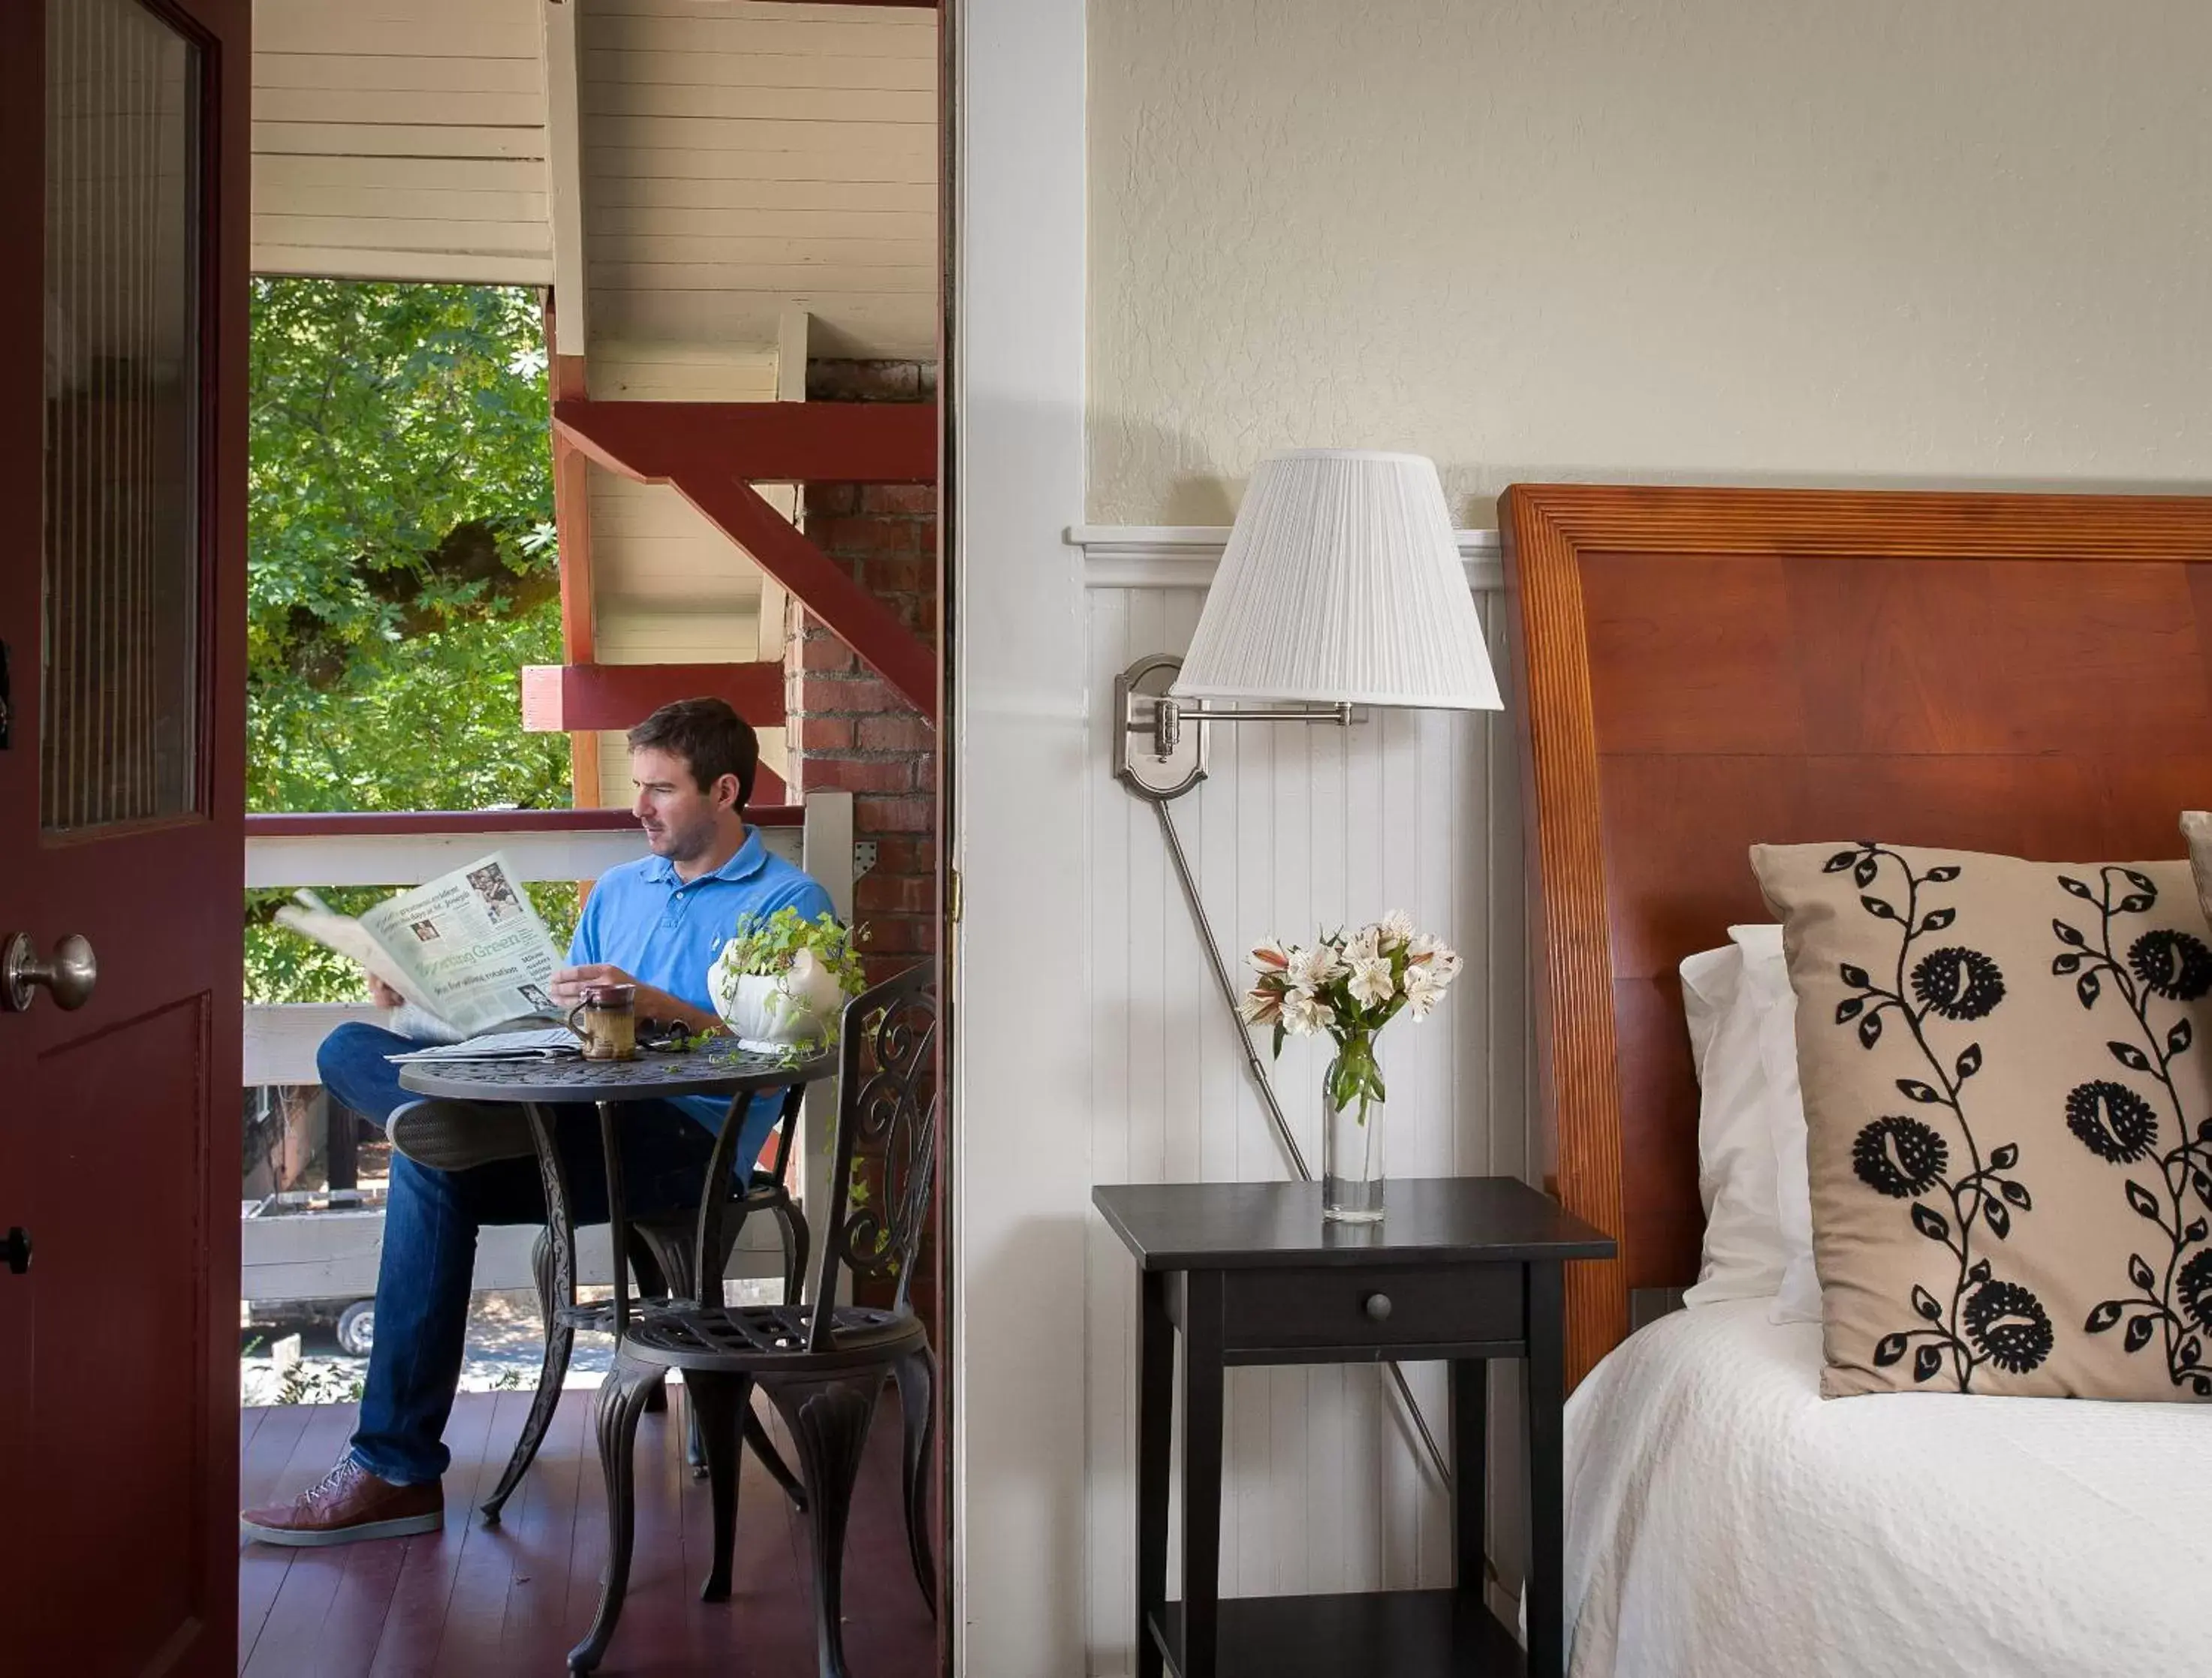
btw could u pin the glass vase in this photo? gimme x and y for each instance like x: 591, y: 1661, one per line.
x: 1352, y: 1137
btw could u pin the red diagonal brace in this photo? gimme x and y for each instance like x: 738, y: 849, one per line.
x: 856, y: 617
x: 711, y: 453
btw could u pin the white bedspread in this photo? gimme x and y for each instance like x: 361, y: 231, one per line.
x: 1723, y: 1520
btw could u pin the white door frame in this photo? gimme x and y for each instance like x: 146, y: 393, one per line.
x: 1021, y: 1177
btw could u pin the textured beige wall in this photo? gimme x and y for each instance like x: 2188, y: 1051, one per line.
x: 1965, y: 241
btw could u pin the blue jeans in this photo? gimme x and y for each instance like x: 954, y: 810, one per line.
x: 430, y: 1223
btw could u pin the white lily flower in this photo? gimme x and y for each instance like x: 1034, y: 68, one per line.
x: 1434, y: 955
x: 1397, y: 929
x: 1305, y: 1014
x: 1261, y: 1008
x: 1310, y: 969
x: 1364, y: 945
x: 1273, y: 957
x: 1372, y: 982
x: 1423, y: 992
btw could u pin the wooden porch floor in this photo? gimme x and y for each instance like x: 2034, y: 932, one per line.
x: 489, y: 1602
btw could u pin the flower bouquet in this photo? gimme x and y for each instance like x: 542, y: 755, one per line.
x: 1350, y: 985
x: 779, y: 983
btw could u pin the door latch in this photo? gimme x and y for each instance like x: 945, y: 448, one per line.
x: 15, y: 1252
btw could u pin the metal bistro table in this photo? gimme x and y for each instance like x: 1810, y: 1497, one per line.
x: 719, y: 1067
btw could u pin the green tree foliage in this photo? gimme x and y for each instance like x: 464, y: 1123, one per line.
x: 401, y: 571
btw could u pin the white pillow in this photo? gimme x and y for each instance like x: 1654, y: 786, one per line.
x: 1766, y: 989
x: 1743, y: 1256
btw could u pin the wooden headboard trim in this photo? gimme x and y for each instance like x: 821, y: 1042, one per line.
x: 1576, y: 1050
x: 1545, y: 530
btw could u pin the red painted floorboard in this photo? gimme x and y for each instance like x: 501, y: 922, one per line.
x: 490, y: 1601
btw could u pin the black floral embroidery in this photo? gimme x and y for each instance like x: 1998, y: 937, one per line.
x: 2120, y: 1124
x: 2009, y: 1326
x: 1957, y: 984
x: 2194, y: 1290
x: 2174, y: 965
x: 1986, y: 1320
x: 1900, y: 1158
x: 2112, y: 1121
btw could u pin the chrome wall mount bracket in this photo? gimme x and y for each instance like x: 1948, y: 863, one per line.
x: 1170, y: 756
x: 1157, y: 755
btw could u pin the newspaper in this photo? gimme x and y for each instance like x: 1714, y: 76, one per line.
x: 467, y: 947
x: 558, y: 1044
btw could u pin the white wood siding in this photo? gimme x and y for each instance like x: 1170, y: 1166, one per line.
x: 741, y: 158
x: 400, y: 139
x: 1297, y: 828
x: 688, y: 637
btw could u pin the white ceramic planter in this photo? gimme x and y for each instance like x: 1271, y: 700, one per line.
x: 771, y: 1012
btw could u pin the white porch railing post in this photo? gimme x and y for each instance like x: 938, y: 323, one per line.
x: 826, y: 852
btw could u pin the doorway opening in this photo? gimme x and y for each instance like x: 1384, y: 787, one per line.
x: 693, y: 282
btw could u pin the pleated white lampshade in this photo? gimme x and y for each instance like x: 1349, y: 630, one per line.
x: 1341, y: 584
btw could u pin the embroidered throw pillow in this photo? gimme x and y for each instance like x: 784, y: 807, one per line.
x: 2007, y: 1069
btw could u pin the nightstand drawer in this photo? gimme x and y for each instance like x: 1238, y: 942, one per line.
x: 1350, y: 1311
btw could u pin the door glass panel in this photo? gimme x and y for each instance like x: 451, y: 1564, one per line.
x: 119, y: 738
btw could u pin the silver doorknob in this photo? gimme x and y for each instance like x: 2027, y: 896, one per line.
x: 69, y: 975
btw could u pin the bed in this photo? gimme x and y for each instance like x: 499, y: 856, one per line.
x: 1724, y: 1520
x: 1700, y: 670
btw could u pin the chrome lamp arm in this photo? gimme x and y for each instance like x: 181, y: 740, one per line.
x: 1172, y: 759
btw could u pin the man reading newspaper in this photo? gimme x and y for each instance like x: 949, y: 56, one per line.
x: 655, y: 923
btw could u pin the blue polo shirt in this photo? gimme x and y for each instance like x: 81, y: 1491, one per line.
x: 665, y: 931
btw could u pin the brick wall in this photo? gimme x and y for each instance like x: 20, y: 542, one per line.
x: 847, y: 729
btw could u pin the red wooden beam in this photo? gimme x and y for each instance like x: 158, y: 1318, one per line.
x: 707, y: 462
x: 563, y: 698
x: 763, y: 442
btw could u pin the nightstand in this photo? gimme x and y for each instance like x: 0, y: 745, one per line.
x: 1463, y: 1270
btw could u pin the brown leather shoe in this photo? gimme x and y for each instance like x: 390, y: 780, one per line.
x: 348, y: 1504
x: 456, y: 1135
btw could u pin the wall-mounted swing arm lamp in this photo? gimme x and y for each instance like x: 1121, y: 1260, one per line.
x: 1340, y: 588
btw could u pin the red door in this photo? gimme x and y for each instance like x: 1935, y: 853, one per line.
x: 123, y: 311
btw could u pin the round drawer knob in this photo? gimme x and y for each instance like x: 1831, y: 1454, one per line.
x: 1377, y: 1306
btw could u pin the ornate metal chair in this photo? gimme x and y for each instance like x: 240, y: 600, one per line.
x: 821, y: 1365
x: 661, y: 1259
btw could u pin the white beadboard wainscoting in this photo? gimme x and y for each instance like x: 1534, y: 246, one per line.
x: 1297, y: 828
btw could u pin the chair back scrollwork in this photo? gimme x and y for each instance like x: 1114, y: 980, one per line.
x: 887, y: 1101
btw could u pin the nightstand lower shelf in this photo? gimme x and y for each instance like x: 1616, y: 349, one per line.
x: 1403, y: 1634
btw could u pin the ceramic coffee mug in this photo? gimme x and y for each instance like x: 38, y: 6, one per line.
x: 609, y: 1027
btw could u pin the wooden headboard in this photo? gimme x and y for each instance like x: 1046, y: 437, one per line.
x: 1700, y: 670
